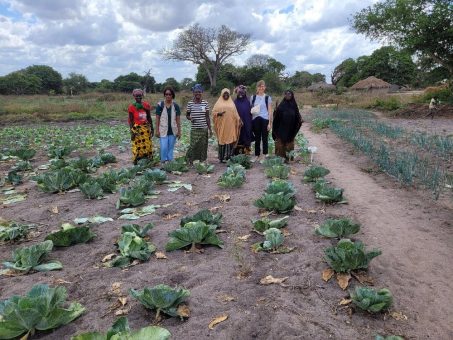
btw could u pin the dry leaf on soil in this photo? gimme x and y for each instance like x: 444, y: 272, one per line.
x: 327, y: 274
x: 363, y: 278
x: 108, y: 257
x: 59, y: 282
x: 270, y: 280
x: 160, y: 255
x: 183, y: 311
x: 285, y: 232
x: 344, y: 302
x: 343, y: 280
x: 217, y: 320
x: 123, y: 311
x: 54, y: 209
x: 244, y: 238
x: 116, y: 288
x: 297, y: 208
x: 226, y: 298
x: 223, y: 198
x: 213, y: 209
x: 122, y: 300
x: 399, y: 316
x: 171, y: 216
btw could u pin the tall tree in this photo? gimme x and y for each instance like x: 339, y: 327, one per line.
x: 420, y: 26
x: 51, y: 80
x: 345, y: 74
x: 207, y: 47
x: 76, y: 83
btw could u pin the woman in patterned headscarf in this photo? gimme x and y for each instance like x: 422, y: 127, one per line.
x: 227, y: 125
x: 198, y: 114
x: 243, y: 107
x: 141, y: 127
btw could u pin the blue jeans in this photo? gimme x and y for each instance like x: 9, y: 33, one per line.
x: 167, y: 145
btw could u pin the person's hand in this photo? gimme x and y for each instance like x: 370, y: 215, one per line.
x: 269, y: 127
x: 210, y: 133
x: 158, y: 134
x: 133, y: 135
x: 151, y: 133
x: 178, y: 135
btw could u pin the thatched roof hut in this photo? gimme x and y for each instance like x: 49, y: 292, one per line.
x: 371, y: 83
x: 321, y: 86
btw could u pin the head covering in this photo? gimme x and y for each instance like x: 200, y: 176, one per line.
x: 241, y: 89
x: 137, y: 92
x: 287, y: 119
x: 227, y: 126
x: 197, y: 87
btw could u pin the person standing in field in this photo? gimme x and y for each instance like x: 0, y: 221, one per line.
x: 168, y: 125
x: 227, y: 125
x: 141, y: 127
x: 262, y: 119
x: 198, y: 114
x: 286, y: 125
x: 432, y: 107
x: 243, y: 107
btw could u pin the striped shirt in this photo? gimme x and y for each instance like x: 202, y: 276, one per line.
x: 198, y: 114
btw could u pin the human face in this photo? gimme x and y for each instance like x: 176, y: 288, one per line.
x: 197, y: 95
x: 226, y: 95
x: 261, y: 89
x: 168, y: 96
x: 138, y: 98
x: 288, y: 95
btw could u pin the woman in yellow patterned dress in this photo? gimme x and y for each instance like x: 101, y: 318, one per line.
x: 141, y: 126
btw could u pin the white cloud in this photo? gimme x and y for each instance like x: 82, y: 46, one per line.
x: 106, y: 38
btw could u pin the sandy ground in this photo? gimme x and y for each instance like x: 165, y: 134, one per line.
x: 414, y: 233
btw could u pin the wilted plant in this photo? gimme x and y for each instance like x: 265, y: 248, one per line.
x: 162, y: 298
x: 337, y: 228
x: 347, y: 256
x: 32, y: 258
x: 69, y: 235
x: 193, y: 233
x: 372, y: 300
x: 120, y: 330
x: 313, y: 173
x: 241, y: 159
x: 41, y: 309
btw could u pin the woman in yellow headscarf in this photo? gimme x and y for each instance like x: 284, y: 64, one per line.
x: 227, y: 125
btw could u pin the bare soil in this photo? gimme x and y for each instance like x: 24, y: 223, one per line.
x: 414, y: 233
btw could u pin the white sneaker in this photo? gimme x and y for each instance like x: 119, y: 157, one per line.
x: 254, y: 159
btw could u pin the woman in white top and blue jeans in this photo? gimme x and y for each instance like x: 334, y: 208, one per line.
x: 262, y: 123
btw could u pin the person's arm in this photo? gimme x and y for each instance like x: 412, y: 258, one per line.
x: 269, y: 110
x: 208, y: 121
x: 178, y: 120
x: 150, y: 121
x: 157, y: 126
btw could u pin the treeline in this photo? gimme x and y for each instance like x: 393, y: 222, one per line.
x: 386, y: 63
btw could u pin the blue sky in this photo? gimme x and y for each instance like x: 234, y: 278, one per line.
x: 103, y: 39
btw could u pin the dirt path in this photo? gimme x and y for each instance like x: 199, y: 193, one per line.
x: 414, y: 233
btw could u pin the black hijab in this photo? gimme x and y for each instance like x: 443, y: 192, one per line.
x: 287, y: 120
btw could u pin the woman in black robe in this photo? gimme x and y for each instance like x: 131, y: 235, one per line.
x: 286, y: 125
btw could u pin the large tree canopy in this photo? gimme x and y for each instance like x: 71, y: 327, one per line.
x: 207, y: 47
x: 420, y: 26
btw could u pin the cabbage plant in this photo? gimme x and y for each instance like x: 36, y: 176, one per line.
x: 280, y: 185
x: 204, y: 215
x: 32, y: 258
x: 272, y: 161
x: 277, y: 171
x: 60, y: 180
x: 161, y: 298
x: 177, y: 165
x: 338, y: 228
x: 120, y: 331
x: 347, y: 256
x: 372, y: 300
x: 130, y: 197
x: 42, y: 308
x: 263, y: 224
x: 280, y: 203
x: 328, y: 194
x: 24, y: 154
x: 193, y: 233
x: 233, y: 177
x: 92, y: 189
x: 241, y: 159
x: 313, y: 173
x: 132, y: 247
x: 155, y: 175
x: 388, y: 337
x: 135, y: 228
x: 70, y: 235
x: 12, y: 231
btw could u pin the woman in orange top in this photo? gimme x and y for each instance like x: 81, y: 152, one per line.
x: 141, y: 127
